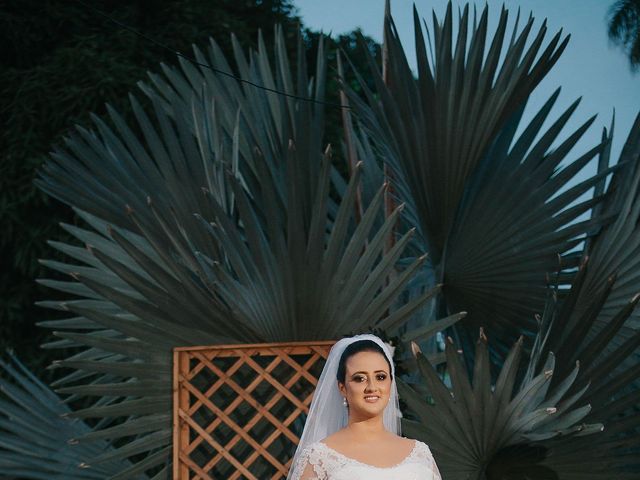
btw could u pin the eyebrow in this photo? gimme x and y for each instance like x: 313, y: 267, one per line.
x: 362, y: 371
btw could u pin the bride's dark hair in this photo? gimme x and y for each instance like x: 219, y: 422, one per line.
x: 357, y: 347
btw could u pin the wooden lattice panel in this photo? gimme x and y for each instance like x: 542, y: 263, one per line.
x: 239, y: 410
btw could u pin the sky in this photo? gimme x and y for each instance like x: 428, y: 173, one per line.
x: 591, y: 67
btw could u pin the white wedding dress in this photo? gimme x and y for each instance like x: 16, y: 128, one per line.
x: 320, y: 462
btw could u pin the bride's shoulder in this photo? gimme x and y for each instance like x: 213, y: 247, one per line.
x: 415, y: 441
x: 418, y: 446
x: 313, y: 447
x: 421, y: 450
x: 405, y: 440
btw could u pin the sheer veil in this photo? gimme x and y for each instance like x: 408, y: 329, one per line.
x: 327, y: 414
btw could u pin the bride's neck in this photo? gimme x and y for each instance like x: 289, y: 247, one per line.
x: 366, y: 426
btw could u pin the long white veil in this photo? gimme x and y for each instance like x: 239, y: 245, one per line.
x: 327, y: 413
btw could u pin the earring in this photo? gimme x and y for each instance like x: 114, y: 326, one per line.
x: 344, y: 401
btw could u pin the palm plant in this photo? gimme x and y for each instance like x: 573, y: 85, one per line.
x: 562, y: 416
x: 221, y: 225
x: 612, y: 252
x: 581, y: 376
x: 473, y: 427
x: 496, y: 214
x: 492, y: 208
x: 37, y: 431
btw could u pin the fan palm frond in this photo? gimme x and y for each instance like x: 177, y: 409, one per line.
x: 607, y: 380
x: 533, y: 421
x: 470, y: 423
x: 38, y: 438
x: 614, y: 249
x: 493, y: 209
x: 218, y: 226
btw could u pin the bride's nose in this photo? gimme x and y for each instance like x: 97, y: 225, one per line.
x: 371, y: 386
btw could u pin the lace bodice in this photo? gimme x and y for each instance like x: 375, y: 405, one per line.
x: 320, y: 462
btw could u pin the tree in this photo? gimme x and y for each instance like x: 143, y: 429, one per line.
x: 61, y: 61
x: 64, y: 60
x: 624, y: 28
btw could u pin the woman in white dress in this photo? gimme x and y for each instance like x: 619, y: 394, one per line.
x: 353, y: 428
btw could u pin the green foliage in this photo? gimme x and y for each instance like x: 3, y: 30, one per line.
x: 496, y: 213
x: 471, y: 425
x: 67, y: 61
x: 61, y: 61
x: 487, y: 203
x: 624, y: 28
x: 217, y: 223
x: 546, y: 420
x: 40, y: 440
x: 209, y: 211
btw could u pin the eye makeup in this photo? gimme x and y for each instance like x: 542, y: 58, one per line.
x: 381, y: 376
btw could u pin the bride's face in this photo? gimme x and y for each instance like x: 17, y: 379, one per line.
x: 367, y: 384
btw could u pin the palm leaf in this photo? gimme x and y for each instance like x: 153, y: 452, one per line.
x: 537, y: 422
x: 609, y: 374
x: 38, y: 438
x: 614, y: 249
x: 472, y: 422
x: 487, y: 203
x: 218, y: 225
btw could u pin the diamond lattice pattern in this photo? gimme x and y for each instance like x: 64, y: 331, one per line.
x: 239, y: 410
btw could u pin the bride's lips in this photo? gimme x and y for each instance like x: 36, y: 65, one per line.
x: 371, y: 398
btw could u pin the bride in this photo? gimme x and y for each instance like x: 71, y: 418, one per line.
x: 353, y: 428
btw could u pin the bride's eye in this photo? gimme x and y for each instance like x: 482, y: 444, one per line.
x: 359, y: 378
x: 381, y: 377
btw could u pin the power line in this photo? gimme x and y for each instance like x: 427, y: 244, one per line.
x: 195, y: 62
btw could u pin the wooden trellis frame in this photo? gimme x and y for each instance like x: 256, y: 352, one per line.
x: 237, y: 408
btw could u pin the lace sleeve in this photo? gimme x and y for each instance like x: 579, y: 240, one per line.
x: 309, y: 465
x: 426, y: 458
